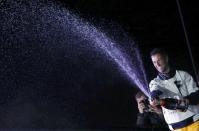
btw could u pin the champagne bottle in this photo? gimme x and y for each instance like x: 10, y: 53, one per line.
x: 173, y: 104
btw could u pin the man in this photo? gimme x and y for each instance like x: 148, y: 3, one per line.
x: 177, y: 85
x: 148, y: 116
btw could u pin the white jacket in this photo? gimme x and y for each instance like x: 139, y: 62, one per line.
x: 170, y: 90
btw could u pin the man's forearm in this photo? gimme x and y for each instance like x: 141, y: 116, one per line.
x: 193, y: 98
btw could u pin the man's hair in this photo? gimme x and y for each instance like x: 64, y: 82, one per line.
x: 139, y: 94
x: 158, y: 51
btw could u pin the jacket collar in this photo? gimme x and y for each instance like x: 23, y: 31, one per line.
x: 166, y: 76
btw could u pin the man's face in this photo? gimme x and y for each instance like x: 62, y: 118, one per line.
x: 140, y: 100
x: 160, y: 62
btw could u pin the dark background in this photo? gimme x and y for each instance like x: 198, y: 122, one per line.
x: 151, y: 23
x: 51, y: 90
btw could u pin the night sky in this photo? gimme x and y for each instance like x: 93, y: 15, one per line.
x: 152, y: 23
x: 52, y: 79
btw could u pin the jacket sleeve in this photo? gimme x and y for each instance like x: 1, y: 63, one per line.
x: 192, y: 89
x: 153, y: 85
x: 190, y: 83
x: 155, y: 89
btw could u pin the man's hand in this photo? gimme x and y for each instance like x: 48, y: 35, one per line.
x: 154, y: 102
x: 141, y: 107
x: 171, y: 103
x: 183, y: 103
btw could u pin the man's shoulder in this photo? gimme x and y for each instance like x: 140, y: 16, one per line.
x: 183, y: 73
x: 156, y: 79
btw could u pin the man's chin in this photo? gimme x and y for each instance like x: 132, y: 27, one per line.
x: 161, y: 71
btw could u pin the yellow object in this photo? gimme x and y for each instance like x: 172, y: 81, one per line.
x: 192, y: 127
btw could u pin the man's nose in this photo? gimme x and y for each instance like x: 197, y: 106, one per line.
x: 158, y: 64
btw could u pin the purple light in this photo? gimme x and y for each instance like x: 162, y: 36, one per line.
x: 131, y: 67
x: 48, y: 18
